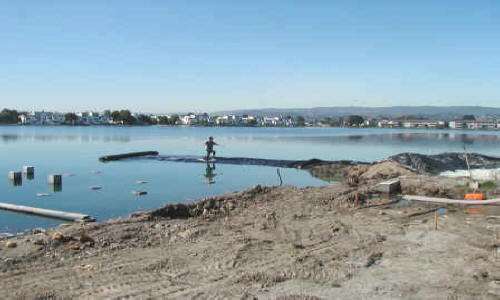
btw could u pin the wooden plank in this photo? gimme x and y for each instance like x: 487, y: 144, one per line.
x: 450, y: 201
x: 47, y: 212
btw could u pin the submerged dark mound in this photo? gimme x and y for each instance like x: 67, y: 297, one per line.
x: 433, y: 164
x: 446, y: 161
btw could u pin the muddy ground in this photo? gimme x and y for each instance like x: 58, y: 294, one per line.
x: 329, y: 242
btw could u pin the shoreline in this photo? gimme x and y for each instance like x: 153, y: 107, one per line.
x: 281, y: 127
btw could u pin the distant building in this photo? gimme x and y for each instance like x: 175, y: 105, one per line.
x: 28, y: 119
x: 424, y: 124
x: 272, y: 121
x: 484, y: 124
x: 388, y: 124
x: 190, y: 119
x: 37, y: 118
x: 457, y: 124
x: 193, y: 119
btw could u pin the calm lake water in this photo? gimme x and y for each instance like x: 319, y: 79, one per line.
x: 75, y: 150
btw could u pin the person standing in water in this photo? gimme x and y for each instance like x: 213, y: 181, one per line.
x: 209, y: 146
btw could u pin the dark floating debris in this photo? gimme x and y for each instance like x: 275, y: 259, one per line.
x: 128, y: 155
x: 139, y: 193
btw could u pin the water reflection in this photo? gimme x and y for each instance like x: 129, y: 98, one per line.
x: 210, y: 173
x: 10, y: 138
x: 454, y: 138
x: 55, y: 188
x: 15, y: 181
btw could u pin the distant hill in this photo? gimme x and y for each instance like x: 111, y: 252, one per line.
x: 431, y: 112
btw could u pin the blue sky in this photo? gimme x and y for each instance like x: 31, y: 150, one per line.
x: 163, y: 56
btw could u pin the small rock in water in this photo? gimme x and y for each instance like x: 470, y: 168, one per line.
x: 42, y: 195
x: 69, y: 175
x: 95, y: 187
x: 141, y: 182
x: 139, y: 193
x: 96, y: 172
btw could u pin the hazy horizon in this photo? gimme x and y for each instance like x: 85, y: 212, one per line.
x: 167, y: 56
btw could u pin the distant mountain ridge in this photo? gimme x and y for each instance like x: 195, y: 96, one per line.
x: 431, y: 112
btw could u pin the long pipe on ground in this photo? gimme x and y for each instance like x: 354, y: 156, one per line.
x: 47, y: 213
x: 450, y: 201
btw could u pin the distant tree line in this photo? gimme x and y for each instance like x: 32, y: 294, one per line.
x: 8, y: 116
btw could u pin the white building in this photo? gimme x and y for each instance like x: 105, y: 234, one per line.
x: 36, y: 118
x: 193, y: 119
x: 484, y: 124
x: 388, y: 124
x: 424, y: 124
x: 457, y: 124
x: 231, y: 120
x: 272, y: 121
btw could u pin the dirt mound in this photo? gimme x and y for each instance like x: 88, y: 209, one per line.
x: 385, y: 170
x: 341, y: 171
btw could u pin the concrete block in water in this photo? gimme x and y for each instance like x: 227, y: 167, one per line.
x: 55, y: 179
x: 15, y: 178
x: 13, y: 175
x: 29, y: 170
x: 389, y: 187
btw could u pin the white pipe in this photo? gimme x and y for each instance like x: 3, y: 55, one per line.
x: 450, y: 201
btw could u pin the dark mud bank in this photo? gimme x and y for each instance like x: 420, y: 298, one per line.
x: 452, y: 161
x: 433, y: 164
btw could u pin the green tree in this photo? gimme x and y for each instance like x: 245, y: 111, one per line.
x: 70, y: 118
x: 355, y: 120
x: 107, y: 113
x: 126, y: 117
x: 8, y: 116
x: 252, y: 122
x: 115, y: 116
x: 469, y: 117
x: 301, y: 122
x: 145, y: 119
x: 173, y: 119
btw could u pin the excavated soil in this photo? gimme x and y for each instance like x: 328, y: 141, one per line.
x: 337, y: 241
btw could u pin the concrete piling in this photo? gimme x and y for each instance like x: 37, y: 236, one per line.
x: 15, y: 178
x: 55, y: 182
x: 55, y: 179
x: 29, y: 172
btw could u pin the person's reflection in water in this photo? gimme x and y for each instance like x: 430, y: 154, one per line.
x: 210, y: 174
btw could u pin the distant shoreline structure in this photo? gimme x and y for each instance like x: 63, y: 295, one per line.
x: 358, y: 119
